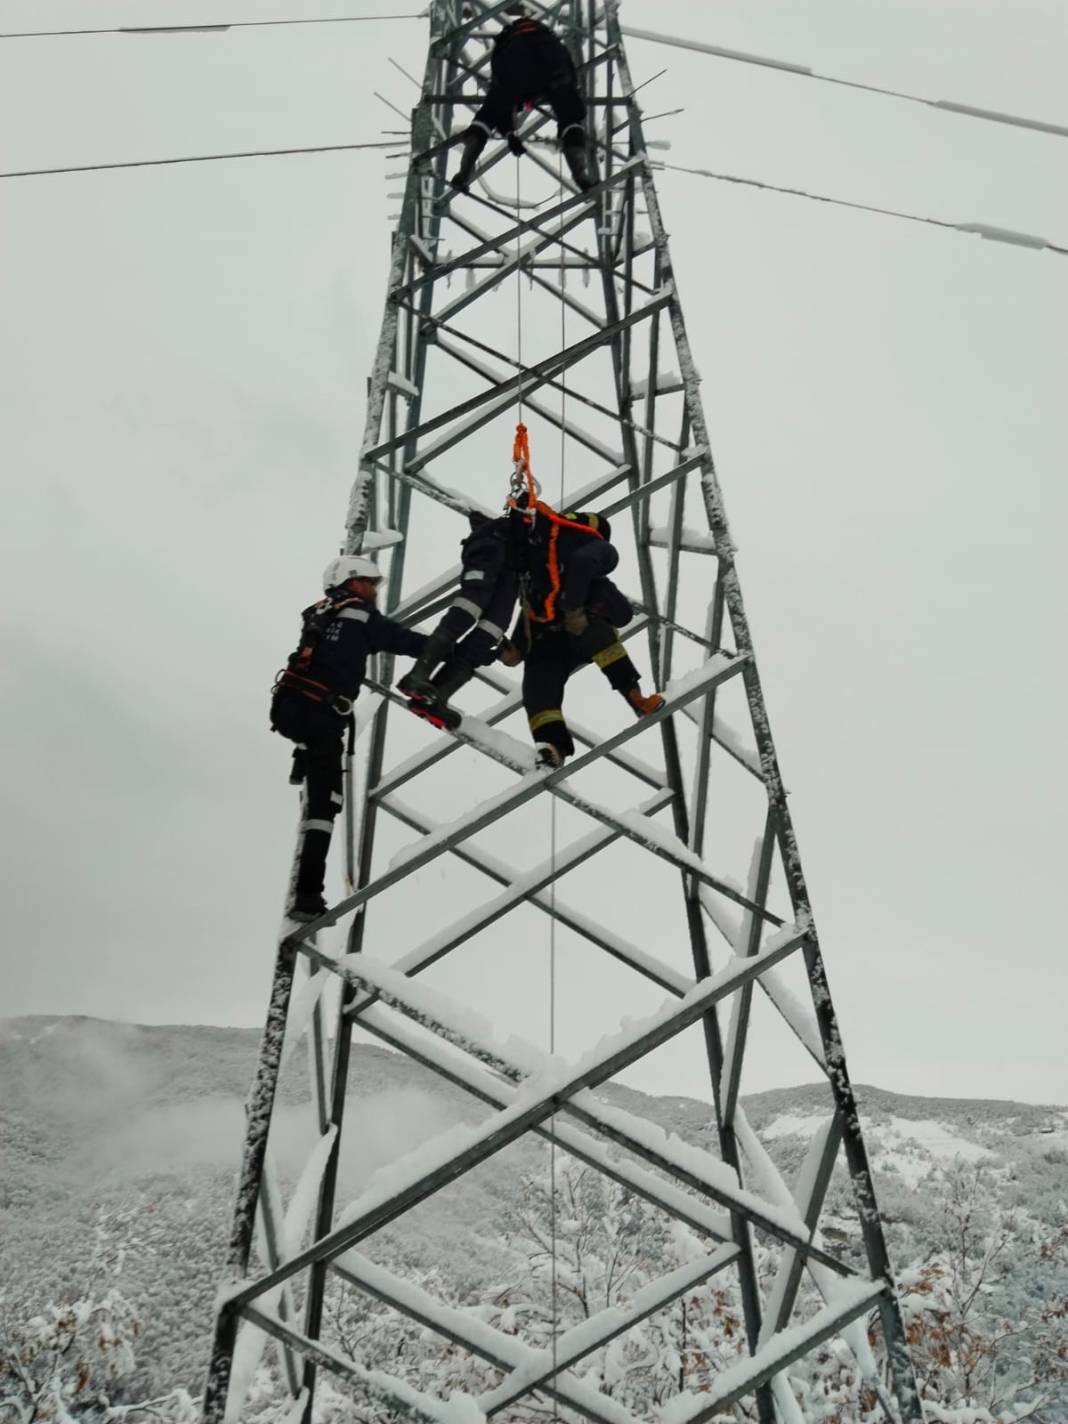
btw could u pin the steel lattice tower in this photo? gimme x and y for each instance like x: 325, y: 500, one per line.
x: 567, y: 303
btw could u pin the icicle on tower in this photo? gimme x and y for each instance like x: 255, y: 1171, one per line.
x: 527, y: 937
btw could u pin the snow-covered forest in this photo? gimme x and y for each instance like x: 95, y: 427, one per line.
x: 119, y: 1150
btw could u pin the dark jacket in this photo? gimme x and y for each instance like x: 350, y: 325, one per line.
x: 559, y: 557
x: 341, y: 635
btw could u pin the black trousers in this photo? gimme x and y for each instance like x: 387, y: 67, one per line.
x: 528, y: 71
x: 319, y: 734
x: 551, y: 658
x: 484, y: 619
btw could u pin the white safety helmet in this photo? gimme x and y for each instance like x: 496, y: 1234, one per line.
x: 349, y: 566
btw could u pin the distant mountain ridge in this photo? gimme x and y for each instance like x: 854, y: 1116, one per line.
x: 141, y: 1127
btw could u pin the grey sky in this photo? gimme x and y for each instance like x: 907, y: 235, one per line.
x: 184, y: 354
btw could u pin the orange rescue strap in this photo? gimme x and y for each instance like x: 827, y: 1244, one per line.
x: 523, y: 475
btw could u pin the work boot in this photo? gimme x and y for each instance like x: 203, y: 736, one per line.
x: 549, y: 757
x: 579, y: 165
x: 473, y: 144
x: 448, y: 680
x: 643, y: 706
x: 417, y: 681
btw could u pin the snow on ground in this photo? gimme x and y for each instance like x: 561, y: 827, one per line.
x: 909, y: 1146
x: 788, y: 1125
x: 937, y: 1139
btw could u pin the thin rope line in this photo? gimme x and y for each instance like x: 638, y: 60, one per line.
x: 207, y: 28
x: 996, y: 234
x: 199, y: 158
x: 519, y: 295
x: 552, y: 834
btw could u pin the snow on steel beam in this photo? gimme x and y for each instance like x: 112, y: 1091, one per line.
x: 601, y: 1329
x: 411, y: 858
x: 807, y: 1197
x: 455, y: 1152
x: 809, y: 1193
x: 738, y: 1033
x: 524, y: 887
x: 854, y: 1298
x: 576, y: 205
x: 796, y: 1016
x: 505, y: 1352
x: 644, y: 491
x: 637, y: 959
x: 537, y: 376
x: 511, y: 702
x: 553, y: 417
x: 383, y: 1388
x: 488, y: 1086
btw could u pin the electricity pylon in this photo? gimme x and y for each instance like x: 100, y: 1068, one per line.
x: 561, y: 306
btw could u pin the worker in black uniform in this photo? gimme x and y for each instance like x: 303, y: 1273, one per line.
x: 570, y: 615
x: 529, y: 65
x: 473, y: 626
x: 312, y: 701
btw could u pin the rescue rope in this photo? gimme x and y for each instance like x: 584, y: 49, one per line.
x: 552, y: 838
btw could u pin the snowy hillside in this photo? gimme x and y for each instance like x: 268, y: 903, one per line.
x: 120, y: 1143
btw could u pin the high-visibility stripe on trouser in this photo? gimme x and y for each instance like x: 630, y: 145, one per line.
x: 612, y: 654
x: 542, y: 719
x: 327, y: 827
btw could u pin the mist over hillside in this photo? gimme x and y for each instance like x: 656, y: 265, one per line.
x: 120, y: 1143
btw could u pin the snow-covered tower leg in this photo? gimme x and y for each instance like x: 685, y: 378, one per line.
x: 563, y: 305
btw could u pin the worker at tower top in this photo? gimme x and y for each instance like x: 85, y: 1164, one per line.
x: 312, y: 701
x: 473, y: 626
x: 569, y: 616
x: 529, y: 65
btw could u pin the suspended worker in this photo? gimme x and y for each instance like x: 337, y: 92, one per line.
x: 474, y: 625
x: 569, y: 616
x: 529, y: 65
x: 312, y: 702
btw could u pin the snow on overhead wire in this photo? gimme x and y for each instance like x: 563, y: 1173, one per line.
x: 969, y: 111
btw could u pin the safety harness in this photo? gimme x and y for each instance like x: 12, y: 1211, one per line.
x: 294, y: 678
x: 524, y: 483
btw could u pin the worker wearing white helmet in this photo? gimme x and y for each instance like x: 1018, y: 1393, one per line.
x: 313, y: 697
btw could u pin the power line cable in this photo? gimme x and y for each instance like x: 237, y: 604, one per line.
x: 969, y: 111
x: 984, y: 230
x: 207, y: 28
x: 197, y: 158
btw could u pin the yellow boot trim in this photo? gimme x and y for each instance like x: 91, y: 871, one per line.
x: 542, y: 719
x: 607, y: 656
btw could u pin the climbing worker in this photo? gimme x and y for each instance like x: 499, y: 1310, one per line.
x: 529, y: 65
x: 570, y: 614
x: 474, y: 625
x: 312, y: 699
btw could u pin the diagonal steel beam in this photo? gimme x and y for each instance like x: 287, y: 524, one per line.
x: 535, y: 377
x: 717, y: 670
x: 529, y: 1111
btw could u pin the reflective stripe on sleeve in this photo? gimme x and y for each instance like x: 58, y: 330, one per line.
x: 491, y: 628
x: 361, y: 615
x: 326, y: 826
x: 466, y: 606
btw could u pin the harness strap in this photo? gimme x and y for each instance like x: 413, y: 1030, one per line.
x: 313, y: 691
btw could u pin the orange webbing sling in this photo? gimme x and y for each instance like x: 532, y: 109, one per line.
x: 523, y: 475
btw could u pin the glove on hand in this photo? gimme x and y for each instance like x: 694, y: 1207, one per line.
x: 509, y: 654
x: 515, y: 143
x: 576, y: 621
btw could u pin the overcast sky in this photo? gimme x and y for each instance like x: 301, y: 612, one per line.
x: 184, y: 351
